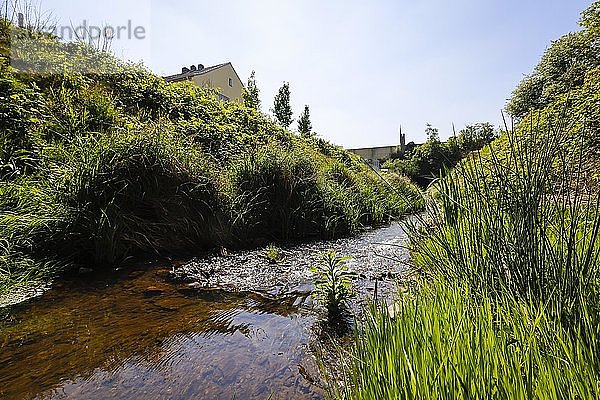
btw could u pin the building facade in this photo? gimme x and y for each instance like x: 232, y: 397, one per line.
x: 373, y: 155
x: 221, y: 77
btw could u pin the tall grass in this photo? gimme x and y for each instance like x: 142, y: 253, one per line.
x: 507, y: 303
x: 103, y: 167
x: 442, y: 343
x: 523, y: 222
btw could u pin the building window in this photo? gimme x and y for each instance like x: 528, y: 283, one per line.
x: 230, y: 82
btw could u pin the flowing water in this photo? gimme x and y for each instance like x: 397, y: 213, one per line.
x: 141, y: 334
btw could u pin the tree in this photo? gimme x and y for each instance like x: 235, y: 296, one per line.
x: 563, y: 67
x: 304, y: 125
x: 590, y: 19
x: 425, y: 162
x: 281, y: 106
x: 251, y: 92
x: 433, y: 135
x: 475, y: 137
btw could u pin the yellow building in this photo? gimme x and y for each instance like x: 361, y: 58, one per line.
x: 222, y: 77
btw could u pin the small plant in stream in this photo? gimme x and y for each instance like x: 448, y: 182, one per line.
x: 274, y: 254
x: 333, y: 285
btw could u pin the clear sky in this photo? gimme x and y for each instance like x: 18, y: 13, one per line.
x: 363, y: 67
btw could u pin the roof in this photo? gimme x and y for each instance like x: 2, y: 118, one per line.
x: 190, y: 74
x: 375, y: 148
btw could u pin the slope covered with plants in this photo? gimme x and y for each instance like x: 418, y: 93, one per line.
x: 507, y: 302
x: 563, y: 92
x: 102, y: 161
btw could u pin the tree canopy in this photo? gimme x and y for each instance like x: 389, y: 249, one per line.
x: 562, y: 68
x: 304, y: 124
x: 426, y: 161
x: 281, y: 106
x: 251, y: 93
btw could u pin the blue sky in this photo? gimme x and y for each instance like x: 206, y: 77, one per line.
x: 363, y: 67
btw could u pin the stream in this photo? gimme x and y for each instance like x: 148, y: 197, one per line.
x: 232, y: 326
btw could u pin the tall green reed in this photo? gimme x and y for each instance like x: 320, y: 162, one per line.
x: 506, y: 306
x: 523, y: 222
x: 442, y: 343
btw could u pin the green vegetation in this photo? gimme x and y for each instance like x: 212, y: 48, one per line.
x: 282, y: 109
x: 274, y: 254
x: 251, y: 93
x: 444, y: 343
x: 100, y: 167
x: 507, y: 305
x: 333, y: 286
x: 509, y: 224
x: 424, y: 163
x: 565, y: 87
x: 563, y: 67
x: 304, y: 124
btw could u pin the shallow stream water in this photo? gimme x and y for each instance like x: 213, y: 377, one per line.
x: 245, y: 330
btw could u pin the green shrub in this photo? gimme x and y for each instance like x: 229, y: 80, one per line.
x: 426, y: 162
x: 139, y: 192
x: 103, y: 161
x: 20, y: 106
x: 278, y: 194
x: 562, y: 68
x: 76, y: 107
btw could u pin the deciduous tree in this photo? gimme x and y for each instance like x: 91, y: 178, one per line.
x: 251, y: 93
x: 432, y: 133
x: 281, y: 106
x: 563, y: 67
x: 304, y: 124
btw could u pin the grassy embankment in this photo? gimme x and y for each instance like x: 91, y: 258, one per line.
x: 507, y: 305
x: 97, y: 168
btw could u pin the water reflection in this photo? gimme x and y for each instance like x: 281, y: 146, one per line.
x: 134, y: 338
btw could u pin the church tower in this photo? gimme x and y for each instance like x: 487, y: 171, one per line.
x: 402, y: 147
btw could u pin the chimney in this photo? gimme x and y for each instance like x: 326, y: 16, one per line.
x: 21, y: 20
x: 185, y: 70
x: 200, y: 67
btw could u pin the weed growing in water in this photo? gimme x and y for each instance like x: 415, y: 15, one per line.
x: 274, y: 254
x: 333, y: 286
